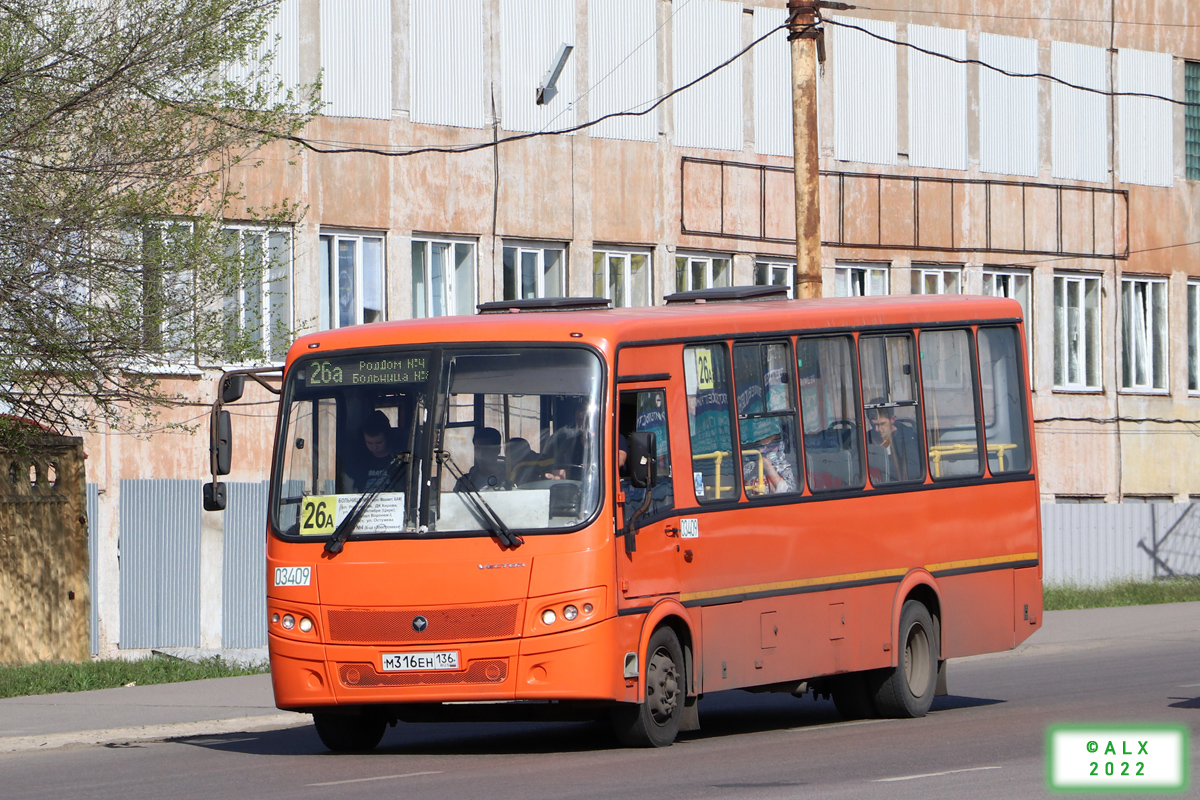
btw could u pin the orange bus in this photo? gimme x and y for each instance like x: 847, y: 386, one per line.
x: 557, y: 509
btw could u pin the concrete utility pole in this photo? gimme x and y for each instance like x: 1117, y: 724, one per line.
x: 807, y: 43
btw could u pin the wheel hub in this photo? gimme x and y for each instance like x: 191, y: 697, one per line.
x: 662, y: 687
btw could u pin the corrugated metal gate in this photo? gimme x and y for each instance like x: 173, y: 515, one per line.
x: 244, y: 557
x: 160, y: 563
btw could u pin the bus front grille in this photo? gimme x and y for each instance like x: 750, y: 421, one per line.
x: 460, y: 624
x: 492, y: 670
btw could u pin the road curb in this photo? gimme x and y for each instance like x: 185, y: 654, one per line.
x: 153, y: 733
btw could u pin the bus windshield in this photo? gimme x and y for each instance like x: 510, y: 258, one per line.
x: 441, y: 440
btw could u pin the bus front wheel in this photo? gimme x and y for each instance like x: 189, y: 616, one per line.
x: 907, y: 690
x: 347, y: 733
x: 655, y: 722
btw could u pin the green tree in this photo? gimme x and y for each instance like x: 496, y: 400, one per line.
x: 121, y: 123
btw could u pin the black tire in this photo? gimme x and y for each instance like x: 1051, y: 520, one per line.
x: 853, y: 697
x: 655, y: 722
x: 906, y: 690
x: 348, y: 733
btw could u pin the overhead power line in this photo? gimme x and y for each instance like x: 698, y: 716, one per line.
x: 1040, y: 75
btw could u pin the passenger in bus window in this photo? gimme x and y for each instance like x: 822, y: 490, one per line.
x: 778, y: 470
x: 571, y: 445
x: 378, y: 460
x: 899, y: 443
x: 488, y: 471
x: 521, y: 461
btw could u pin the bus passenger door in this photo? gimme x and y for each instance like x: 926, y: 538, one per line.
x: 652, y: 570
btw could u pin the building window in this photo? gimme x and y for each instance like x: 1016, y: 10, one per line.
x: 936, y: 280
x: 534, y: 271
x: 1148, y: 498
x: 859, y: 281
x: 443, y: 274
x: 1191, y: 115
x: 623, y: 277
x: 258, y: 309
x: 702, y: 272
x: 775, y: 273
x: 1143, y: 334
x: 166, y: 289
x: 1015, y: 285
x: 1193, y: 303
x: 1076, y: 332
x: 351, y: 279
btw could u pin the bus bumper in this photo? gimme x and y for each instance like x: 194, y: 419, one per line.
x: 582, y: 664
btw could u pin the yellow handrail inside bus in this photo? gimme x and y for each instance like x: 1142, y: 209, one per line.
x: 964, y: 448
x: 716, y: 457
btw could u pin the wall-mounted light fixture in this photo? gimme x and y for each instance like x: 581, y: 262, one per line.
x: 547, y: 90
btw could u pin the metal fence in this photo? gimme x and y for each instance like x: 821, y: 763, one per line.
x: 1098, y: 543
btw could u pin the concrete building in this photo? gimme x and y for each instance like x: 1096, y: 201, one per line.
x: 939, y: 175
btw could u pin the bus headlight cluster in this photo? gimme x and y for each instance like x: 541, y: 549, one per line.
x: 289, y: 622
x: 568, y: 612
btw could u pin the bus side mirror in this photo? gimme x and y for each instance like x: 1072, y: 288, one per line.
x: 642, y: 462
x: 214, y: 497
x: 222, y: 444
x: 232, y: 387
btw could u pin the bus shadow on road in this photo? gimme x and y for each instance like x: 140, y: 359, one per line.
x: 722, y: 714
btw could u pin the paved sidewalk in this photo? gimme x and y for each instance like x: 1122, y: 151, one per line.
x: 142, y: 713
x: 228, y: 705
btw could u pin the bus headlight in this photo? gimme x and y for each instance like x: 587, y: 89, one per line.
x: 570, y: 613
x: 548, y: 616
x: 306, y: 624
x: 289, y: 622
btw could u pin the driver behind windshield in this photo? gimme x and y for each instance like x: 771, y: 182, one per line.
x: 379, y: 458
x: 488, y: 472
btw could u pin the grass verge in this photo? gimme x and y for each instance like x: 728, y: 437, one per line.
x: 1121, y: 593
x: 55, y: 676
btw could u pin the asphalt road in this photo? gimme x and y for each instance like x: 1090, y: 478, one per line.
x: 986, y: 740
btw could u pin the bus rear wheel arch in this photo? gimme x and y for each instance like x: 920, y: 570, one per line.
x: 907, y: 689
x: 656, y: 720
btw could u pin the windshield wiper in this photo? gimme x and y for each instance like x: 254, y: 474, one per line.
x: 483, y: 510
x: 346, y: 527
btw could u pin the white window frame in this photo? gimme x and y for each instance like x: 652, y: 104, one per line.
x: 272, y: 317
x: 173, y: 333
x: 1193, y: 310
x: 331, y: 278
x: 453, y: 294
x: 686, y: 263
x: 1000, y: 282
x: 539, y: 250
x: 1085, y: 351
x: 771, y: 272
x: 1144, y: 361
x: 602, y: 261
x: 943, y: 277
x: 858, y: 280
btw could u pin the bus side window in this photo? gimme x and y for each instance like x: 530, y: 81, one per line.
x: 646, y: 410
x: 1004, y: 421
x: 889, y: 390
x: 766, y: 418
x: 951, y: 421
x: 706, y: 377
x: 831, y: 413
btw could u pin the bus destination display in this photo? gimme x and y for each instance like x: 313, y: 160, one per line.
x: 368, y: 370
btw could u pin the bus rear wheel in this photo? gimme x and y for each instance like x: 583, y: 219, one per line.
x: 907, y: 690
x: 348, y: 733
x: 655, y: 722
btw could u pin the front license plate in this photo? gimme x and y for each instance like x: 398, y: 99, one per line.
x: 406, y: 662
